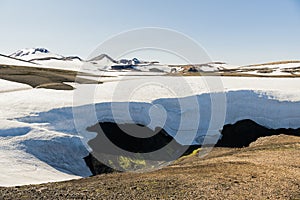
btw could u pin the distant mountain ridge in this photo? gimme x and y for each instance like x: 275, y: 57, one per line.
x: 103, y: 62
x: 43, y: 54
x: 42, y: 57
x: 103, y: 56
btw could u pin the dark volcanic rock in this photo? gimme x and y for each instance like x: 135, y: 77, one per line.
x: 123, y: 136
x: 243, y: 132
x: 115, y: 143
x: 96, y: 166
x: 115, y: 138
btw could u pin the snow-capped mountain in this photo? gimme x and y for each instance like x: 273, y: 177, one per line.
x: 48, y: 59
x: 25, y: 52
x: 103, y: 60
x: 31, y: 54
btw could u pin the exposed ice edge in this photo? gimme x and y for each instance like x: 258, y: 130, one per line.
x: 196, y: 121
x: 245, y: 104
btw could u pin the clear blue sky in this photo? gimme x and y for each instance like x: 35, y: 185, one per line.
x: 235, y: 31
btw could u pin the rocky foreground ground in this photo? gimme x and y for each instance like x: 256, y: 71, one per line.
x: 268, y: 169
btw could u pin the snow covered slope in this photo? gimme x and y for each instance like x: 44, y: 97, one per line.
x: 33, y: 154
x: 273, y: 68
x: 8, y: 86
x: 6, y: 60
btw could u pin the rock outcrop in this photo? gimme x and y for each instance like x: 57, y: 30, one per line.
x: 243, y: 132
x: 131, y: 146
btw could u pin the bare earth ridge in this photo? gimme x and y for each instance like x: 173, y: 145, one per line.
x: 41, y: 77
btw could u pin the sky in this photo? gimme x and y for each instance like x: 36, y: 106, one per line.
x: 235, y: 31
